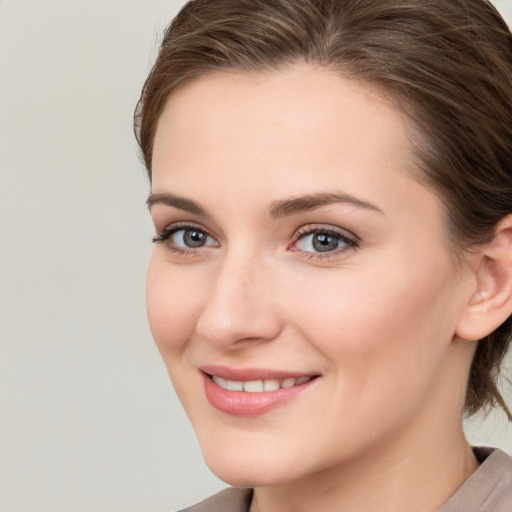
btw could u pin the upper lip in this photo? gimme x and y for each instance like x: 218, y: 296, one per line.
x: 248, y: 374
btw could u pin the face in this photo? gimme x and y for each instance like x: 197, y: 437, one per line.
x: 300, y: 290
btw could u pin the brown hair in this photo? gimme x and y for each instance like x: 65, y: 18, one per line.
x: 446, y: 63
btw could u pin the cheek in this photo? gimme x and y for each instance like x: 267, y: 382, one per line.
x: 172, y: 302
x: 378, y: 327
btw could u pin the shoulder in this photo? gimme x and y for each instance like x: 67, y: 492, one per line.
x: 489, y: 489
x: 228, y: 500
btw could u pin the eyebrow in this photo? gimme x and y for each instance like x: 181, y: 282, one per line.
x: 295, y: 205
x: 177, y: 202
x: 277, y: 209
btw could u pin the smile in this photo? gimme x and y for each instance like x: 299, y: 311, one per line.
x: 253, y: 393
x: 260, y: 386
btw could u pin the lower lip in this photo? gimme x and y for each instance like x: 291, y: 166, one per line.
x: 243, y: 403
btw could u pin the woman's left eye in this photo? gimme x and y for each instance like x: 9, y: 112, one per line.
x: 323, y: 241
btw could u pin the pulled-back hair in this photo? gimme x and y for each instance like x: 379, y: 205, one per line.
x: 447, y: 64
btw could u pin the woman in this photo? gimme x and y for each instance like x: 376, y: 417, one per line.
x: 331, y: 282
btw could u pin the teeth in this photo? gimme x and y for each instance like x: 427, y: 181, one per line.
x: 220, y: 382
x: 288, y: 383
x: 253, y: 386
x: 270, y: 385
x: 258, y: 386
x: 235, y: 385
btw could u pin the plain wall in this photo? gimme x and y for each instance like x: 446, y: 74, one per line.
x: 88, y: 420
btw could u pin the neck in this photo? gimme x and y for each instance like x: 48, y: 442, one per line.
x: 400, y: 477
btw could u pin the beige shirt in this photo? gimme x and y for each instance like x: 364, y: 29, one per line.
x: 488, y: 489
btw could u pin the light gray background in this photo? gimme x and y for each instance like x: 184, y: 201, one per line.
x: 88, y: 420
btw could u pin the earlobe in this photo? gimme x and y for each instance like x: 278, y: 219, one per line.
x: 491, y: 304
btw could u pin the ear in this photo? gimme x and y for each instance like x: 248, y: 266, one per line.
x: 491, y: 303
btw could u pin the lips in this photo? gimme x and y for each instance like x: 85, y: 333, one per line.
x: 252, y: 392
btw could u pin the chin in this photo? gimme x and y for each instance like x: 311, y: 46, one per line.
x: 248, y: 477
x: 243, y: 470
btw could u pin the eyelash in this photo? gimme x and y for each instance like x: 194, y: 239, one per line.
x: 350, y: 241
x: 169, y: 231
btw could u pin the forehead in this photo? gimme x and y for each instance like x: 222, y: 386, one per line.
x: 300, y: 95
x: 292, y: 131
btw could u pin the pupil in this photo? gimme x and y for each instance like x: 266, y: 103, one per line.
x: 325, y: 243
x: 194, y: 238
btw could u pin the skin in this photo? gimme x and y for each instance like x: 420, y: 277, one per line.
x: 378, y: 323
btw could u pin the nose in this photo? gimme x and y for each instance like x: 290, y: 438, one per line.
x: 240, y: 304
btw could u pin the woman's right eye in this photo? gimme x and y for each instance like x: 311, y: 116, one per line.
x: 191, y: 238
x: 182, y: 239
